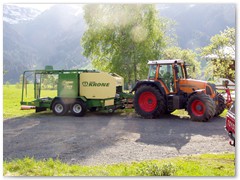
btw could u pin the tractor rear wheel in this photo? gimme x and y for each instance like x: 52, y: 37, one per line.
x: 220, y: 106
x: 78, y: 108
x: 148, y: 102
x: 201, y: 107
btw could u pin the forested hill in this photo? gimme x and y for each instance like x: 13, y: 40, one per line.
x: 33, y: 39
x: 197, y: 23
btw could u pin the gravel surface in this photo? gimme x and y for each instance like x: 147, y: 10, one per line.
x: 100, y: 138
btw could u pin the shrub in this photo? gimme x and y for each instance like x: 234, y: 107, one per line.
x: 152, y: 169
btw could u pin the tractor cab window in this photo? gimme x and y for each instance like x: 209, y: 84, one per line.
x: 179, y: 73
x: 166, y: 75
x: 152, y: 71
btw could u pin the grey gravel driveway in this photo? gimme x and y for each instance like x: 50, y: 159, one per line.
x: 100, y: 138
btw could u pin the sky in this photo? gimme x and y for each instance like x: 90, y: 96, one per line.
x: 45, y: 4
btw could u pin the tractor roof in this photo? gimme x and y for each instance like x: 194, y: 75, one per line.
x: 165, y: 61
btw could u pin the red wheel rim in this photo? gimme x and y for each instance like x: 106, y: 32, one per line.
x: 198, y: 107
x: 147, y: 101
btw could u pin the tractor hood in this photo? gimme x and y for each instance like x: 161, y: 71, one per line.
x: 191, y: 85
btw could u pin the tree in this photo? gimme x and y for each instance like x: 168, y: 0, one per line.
x: 49, y: 81
x: 220, y: 54
x: 121, y: 38
x: 187, y: 55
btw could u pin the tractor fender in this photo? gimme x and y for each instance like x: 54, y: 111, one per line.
x: 196, y: 91
x: 151, y: 83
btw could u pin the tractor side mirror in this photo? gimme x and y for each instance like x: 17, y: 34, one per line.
x: 194, y: 68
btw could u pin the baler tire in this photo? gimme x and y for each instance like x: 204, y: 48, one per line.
x: 201, y: 107
x: 220, y: 104
x: 59, y: 108
x: 78, y: 108
x: 148, y: 102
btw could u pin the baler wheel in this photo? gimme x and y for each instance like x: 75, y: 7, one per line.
x: 78, y: 108
x: 59, y: 108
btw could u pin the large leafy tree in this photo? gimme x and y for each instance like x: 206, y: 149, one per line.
x: 220, y: 54
x: 121, y: 38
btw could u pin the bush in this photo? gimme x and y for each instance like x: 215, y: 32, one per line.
x: 152, y: 169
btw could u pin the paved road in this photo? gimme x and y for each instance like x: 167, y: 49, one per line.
x: 100, y: 138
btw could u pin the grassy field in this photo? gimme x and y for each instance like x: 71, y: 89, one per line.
x: 12, y: 97
x: 197, y: 165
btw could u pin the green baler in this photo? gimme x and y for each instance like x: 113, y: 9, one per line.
x: 77, y: 91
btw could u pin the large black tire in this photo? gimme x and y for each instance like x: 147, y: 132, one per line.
x: 168, y: 112
x: 201, y: 107
x: 78, y: 108
x: 148, y: 102
x: 59, y: 107
x: 220, y: 104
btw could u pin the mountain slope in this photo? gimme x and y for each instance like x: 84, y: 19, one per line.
x: 197, y: 23
x: 14, y: 14
x: 33, y: 39
x: 17, y: 55
x: 52, y: 38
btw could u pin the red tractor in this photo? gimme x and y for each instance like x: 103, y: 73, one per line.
x: 168, y: 88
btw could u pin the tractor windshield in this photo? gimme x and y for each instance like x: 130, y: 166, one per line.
x: 152, y: 71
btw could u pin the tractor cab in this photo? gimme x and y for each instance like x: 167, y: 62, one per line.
x: 168, y: 73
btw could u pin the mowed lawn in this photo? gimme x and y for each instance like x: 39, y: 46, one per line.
x: 12, y: 97
x: 195, y: 165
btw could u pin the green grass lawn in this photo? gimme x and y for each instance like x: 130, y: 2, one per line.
x: 195, y: 165
x: 12, y: 97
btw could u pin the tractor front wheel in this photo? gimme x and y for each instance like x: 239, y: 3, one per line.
x: 200, y: 107
x: 220, y: 104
